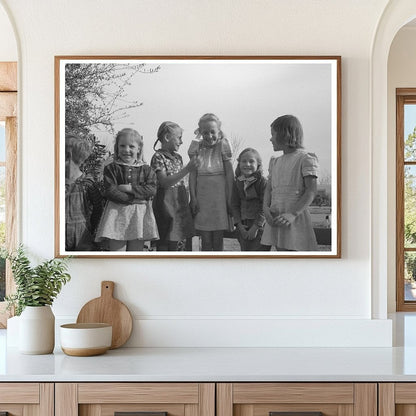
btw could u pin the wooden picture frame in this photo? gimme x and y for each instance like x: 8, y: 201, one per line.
x: 98, y: 96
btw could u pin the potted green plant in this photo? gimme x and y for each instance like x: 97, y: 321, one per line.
x: 36, y: 289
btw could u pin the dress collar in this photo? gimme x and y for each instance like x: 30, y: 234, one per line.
x: 136, y: 163
x: 168, y: 154
x: 246, y: 181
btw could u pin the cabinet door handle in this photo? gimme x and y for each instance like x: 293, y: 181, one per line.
x: 295, y: 413
x: 139, y: 414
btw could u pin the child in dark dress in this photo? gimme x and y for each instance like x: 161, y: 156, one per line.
x: 171, y: 204
x: 83, y: 199
x: 247, y: 200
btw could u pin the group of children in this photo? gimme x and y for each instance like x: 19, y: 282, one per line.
x: 153, y: 202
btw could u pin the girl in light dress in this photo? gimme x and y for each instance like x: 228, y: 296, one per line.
x: 290, y: 189
x: 211, y: 184
x: 247, y: 200
x: 83, y: 199
x: 171, y: 204
x: 130, y: 185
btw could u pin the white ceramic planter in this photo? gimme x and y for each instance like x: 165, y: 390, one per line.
x: 12, y: 334
x: 37, y: 330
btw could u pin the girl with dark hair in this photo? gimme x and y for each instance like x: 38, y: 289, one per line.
x: 290, y: 189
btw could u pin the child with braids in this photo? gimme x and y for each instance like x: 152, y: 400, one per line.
x: 171, y: 204
x: 211, y: 184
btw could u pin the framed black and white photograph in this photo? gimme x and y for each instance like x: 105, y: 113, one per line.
x: 198, y: 156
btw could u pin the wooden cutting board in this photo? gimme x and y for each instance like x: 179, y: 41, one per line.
x: 108, y: 310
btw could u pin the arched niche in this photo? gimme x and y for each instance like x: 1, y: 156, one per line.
x: 395, y: 16
x: 8, y: 44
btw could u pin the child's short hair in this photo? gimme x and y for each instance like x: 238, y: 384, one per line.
x: 256, y: 154
x: 289, y: 127
x: 76, y: 149
x: 209, y: 117
x: 167, y: 127
x: 129, y: 133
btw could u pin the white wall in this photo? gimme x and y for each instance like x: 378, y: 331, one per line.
x: 203, y: 302
x: 8, y: 46
x: 401, y: 74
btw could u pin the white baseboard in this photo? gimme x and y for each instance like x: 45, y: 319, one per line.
x: 189, y: 332
x: 257, y: 332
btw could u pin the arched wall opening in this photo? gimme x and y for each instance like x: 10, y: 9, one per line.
x: 401, y: 75
x: 396, y: 15
x: 8, y: 45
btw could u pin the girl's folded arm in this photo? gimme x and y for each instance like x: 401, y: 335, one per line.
x: 112, y: 192
x: 146, y: 185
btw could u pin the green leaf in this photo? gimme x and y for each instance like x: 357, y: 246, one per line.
x: 35, y: 286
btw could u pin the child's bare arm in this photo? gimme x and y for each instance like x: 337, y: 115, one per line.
x: 167, y: 181
x: 266, y: 203
x: 192, y: 192
x: 304, y: 201
x: 229, y: 180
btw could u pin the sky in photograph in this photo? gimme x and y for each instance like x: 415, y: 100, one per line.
x: 246, y: 96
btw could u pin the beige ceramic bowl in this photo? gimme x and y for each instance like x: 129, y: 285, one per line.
x: 83, y: 340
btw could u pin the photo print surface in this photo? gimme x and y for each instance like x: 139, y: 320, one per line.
x: 198, y: 156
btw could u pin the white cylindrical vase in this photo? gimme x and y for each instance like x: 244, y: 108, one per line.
x: 12, y: 334
x: 37, y: 330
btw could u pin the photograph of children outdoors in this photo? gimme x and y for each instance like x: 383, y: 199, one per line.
x: 178, y: 157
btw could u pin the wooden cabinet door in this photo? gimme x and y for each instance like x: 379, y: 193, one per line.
x: 397, y: 399
x: 297, y: 399
x: 26, y: 399
x: 143, y: 399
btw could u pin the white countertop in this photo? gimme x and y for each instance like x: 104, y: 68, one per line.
x: 221, y: 364
x: 215, y: 364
